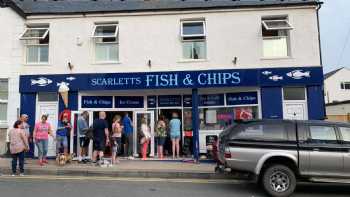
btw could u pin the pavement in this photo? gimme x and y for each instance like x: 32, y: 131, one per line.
x: 126, y: 168
x: 43, y: 186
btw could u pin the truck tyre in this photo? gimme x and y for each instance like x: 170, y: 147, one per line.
x: 279, y: 181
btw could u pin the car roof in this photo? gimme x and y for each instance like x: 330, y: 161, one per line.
x: 319, y: 122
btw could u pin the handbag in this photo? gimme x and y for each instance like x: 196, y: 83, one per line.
x: 89, y: 133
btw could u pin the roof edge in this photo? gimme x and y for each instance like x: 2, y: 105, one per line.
x: 309, y: 3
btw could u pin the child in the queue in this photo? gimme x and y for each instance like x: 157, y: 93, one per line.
x: 18, y: 146
x: 41, y: 133
x: 146, y: 137
x: 116, y: 138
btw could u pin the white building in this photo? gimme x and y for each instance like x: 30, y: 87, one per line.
x: 337, y: 85
x: 210, y: 61
x: 10, y: 61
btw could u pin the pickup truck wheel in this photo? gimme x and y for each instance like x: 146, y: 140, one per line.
x: 279, y: 181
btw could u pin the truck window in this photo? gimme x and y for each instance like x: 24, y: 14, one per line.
x: 345, y: 132
x: 263, y: 132
x: 323, y: 134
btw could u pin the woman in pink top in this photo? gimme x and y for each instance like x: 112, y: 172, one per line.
x: 18, y: 145
x: 41, y: 133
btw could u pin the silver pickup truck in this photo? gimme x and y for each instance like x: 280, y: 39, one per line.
x: 281, y: 152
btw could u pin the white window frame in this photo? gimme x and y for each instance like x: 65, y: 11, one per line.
x: 276, y: 28
x: 34, y: 38
x: 27, y: 45
x: 287, y: 36
x: 104, y: 25
x: 3, y: 101
x: 193, y: 35
x: 100, y: 42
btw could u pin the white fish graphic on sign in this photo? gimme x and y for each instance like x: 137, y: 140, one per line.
x: 266, y: 73
x: 71, y: 78
x: 41, y: 81
x: 63, y: 83
x: 298, y: 74
x: 276, y: 78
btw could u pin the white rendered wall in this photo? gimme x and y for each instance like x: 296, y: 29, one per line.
x: 333, y: 91
x: 144, y: 37
x: 11, y: 58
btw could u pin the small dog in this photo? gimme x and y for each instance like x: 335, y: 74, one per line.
x: 63, y: 159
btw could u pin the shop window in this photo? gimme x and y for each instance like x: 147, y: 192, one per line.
x: 47, y: 97
x: 36, y: 40
x: 106, y: 41
x: 3, y: 99
x: 294, y: 93
x: 345, y: 85
x: 221, y: 118
x: 275, y: 33
x: 193, y: 34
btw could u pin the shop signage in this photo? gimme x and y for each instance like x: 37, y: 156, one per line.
x: 212, y: 100
x: 151, y: 101
x: 97, y: 102
x: 187, y: 100
x: 129, y: 102
x: 169, y: 101
x: 180, y: 79
x: 242, y: 98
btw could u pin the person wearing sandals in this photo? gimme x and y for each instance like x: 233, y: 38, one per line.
x: 116, y: 138
x: 175, y: 132
x: 18, y: 146
x: 161, y: 134
x: 41, y: 133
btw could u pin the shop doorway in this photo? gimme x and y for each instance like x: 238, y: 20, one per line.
x: 110, y: 115
x: 167, y: 113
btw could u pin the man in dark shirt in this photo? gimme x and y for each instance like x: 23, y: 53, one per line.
x: 100, y: 133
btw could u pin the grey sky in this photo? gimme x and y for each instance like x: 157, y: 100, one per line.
x: 335, y: 29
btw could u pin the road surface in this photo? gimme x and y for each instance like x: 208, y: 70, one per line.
x: 42, y: 186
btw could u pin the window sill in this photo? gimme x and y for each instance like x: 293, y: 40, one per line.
x: 3, y: 125
x: 276, y: 58
x: 106, y: 63
x: 37, y: 64
x: 192, y: 60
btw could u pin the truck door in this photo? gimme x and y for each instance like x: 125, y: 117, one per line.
x: 325, y: 151
x: 345, y: 133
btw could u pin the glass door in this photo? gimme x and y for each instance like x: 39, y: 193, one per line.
x: 143, y: 117
x: 74, y: 141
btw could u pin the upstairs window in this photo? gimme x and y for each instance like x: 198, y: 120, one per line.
x: 275, y: 33
x: 106, y: 42
x: 3, y: 100
x: 36, y: 40
x: 345, y: 85
x: 193, y: 35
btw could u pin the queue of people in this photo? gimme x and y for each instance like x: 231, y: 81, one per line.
x: 122, y: 127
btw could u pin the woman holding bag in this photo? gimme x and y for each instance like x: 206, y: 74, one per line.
x: 18, y: 146
x: 146, y: 137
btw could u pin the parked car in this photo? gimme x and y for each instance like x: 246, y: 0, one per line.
x: 279, y: 153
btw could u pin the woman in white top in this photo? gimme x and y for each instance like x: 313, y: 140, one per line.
x: 146, y: 137
x: 116, y: 138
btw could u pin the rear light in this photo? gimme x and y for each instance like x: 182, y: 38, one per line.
x: 227, y: 155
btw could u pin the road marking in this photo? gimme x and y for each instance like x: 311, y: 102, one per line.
x: 86, y: 178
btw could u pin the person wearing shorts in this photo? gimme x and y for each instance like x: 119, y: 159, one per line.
x: 161, y: 135
x: 63, y: 128
x: 84, y: 141
x: 100, y: 135
x: 175, y: 129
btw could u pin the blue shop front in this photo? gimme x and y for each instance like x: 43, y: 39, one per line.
x: 206, y: 101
